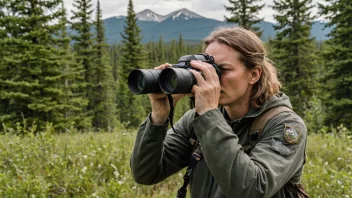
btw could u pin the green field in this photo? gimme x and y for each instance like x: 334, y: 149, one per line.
x: 97, y: 165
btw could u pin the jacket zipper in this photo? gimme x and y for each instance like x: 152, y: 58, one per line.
x: 211, y: 187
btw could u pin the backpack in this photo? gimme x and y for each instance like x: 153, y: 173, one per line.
x: 255, y: 136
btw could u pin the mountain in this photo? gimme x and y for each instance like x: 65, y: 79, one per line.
x: 148, y: 15
x: 192, y: 26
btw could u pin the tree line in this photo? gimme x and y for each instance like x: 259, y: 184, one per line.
x: 78, y: 81
x: 316, y: 75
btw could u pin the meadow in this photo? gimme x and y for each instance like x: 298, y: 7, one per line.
x: 96, y: 164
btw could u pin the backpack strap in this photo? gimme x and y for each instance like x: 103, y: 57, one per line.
x: 297, y: 190
x: 196, y: 156
x: 257, y: 127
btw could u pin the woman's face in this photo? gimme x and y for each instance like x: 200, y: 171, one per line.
x: 236, y: 85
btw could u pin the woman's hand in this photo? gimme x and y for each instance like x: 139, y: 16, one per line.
x: 160, y: 102
x: 207, y: 90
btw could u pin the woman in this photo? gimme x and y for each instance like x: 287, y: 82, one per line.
x: 248, y: 87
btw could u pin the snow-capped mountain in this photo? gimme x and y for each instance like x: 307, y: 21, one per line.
x: 148, y: 15
x: 182, y: 14
x: 193, y: 27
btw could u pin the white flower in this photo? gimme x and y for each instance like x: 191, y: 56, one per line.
x: 120, y: 182
x: 117, y: 174
x: 84, y: 169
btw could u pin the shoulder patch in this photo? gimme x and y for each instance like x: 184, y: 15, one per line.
x: 280, y: 148
x: 291, y: 134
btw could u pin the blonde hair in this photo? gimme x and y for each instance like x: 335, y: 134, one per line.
x: 252, y: 53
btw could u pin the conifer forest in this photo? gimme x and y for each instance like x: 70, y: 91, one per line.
x: 68, y: 119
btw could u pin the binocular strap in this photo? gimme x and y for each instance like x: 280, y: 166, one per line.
x: 172, y: 109
x: 196, y: 156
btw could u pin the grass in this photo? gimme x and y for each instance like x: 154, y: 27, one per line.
x: 97, y: 165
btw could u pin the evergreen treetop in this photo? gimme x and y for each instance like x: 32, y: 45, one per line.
x: 338, y: 62
x: 245, y: 13
x: 293, y: 51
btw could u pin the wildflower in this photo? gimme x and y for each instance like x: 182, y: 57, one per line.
x: 120, y: 182
x: 117, y: 174
x: 112, y: 165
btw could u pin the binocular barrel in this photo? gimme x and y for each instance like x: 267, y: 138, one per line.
x: 175, y: 80
x: 171, y: 80
x: 143, y: 81
x: 168, y: 80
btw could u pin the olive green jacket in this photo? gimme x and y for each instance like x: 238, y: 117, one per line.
x: 226, y: 170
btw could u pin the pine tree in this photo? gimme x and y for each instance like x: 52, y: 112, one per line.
x: 30, y: 66
x: 3, y: 36
x: 2, y: 17
x: 73, y: 82
x: 173, y: 52
x: 338, y: 63
x: 103, y: 88
x: 245, y: 13
x: 114, y: 54
x: 293, y: 51
x: 181, y: 48
x: 83, y: 47
x: 130, y: 106
x: 161, y: 51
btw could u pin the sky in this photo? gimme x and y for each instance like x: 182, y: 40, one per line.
x: 207, y: 8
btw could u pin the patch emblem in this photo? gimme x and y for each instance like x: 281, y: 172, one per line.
x: 279, y: 147
x: 291, y: 134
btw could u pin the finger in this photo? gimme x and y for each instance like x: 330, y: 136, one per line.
x: 195, y: 89
x: 207, y: 69
x: 163, y: 66
x: 199, y: 78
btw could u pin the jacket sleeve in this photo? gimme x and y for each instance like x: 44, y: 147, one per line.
x: 265, y: 170
x: 159, y: 153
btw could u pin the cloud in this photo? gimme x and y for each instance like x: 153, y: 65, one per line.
x: 207, y: 8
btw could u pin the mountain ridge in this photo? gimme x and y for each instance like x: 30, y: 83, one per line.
x: 191, y: 25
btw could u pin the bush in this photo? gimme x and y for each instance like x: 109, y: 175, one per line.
x: 328, y: 172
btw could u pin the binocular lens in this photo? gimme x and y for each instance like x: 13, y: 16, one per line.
x: 176, y: 80
x: 172, y: 80
x: 142, y: 81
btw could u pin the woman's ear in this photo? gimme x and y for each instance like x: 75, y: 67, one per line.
x: 255, y: 74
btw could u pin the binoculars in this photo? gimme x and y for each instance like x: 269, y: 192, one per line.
x: 172, y: 80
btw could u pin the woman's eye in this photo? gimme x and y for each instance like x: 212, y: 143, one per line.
x: 224, y: 69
